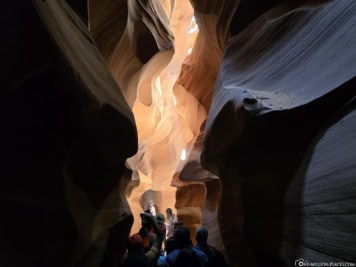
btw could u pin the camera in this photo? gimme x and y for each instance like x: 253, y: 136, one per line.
x: 144, y: 220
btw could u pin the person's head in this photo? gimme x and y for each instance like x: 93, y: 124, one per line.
x: 182, y: 237
x: 169, y: 211
x: 171, y: 245
x: 147, y: 210
x: 135, y: 243
x: 160, y: 219
x: 150, y: 204
x: 176, y: 226
x: 201, y: 235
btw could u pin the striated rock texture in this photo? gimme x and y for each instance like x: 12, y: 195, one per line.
x: 281, y: 116
x: 146, y: 63
x: 239, y: 115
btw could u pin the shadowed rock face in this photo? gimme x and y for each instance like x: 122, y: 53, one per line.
x: 277, y: 99
x: 241, y: 118
x: 62, y: 149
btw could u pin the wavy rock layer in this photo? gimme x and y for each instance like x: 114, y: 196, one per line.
x: 239, y: 114
x: 146, y: 63
x: 271, y: 76
x: 276, y: 115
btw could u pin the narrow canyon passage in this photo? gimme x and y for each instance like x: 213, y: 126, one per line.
x: 238, y: 115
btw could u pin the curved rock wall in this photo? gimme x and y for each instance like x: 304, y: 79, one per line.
x: 239, y: 114
x: 146, y: 63
x: 66, y: 132
x: 283, y: 83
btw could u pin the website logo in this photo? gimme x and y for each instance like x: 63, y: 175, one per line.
x: 302, y: 262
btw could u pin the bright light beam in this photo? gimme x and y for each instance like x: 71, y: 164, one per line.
x: 183, y: 155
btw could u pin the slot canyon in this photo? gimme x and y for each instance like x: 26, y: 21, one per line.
x: 238, y: 115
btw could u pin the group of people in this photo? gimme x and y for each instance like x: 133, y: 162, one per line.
x: 158, y: 245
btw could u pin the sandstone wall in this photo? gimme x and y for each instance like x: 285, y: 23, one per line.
x: 239, y: 115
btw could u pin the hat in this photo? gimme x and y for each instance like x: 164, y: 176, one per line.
x: 160, y: 218
x: 135, y: 243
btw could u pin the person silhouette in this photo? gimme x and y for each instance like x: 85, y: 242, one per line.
x: 215, y: 257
